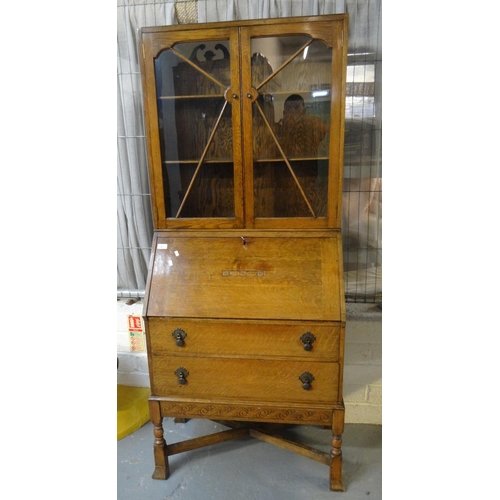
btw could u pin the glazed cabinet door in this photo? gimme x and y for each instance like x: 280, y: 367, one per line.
x: 293, y: 77
x: 191, y: 87
x: 245, y: 123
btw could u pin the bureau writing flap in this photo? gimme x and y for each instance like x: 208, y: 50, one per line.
x: 246, y: 277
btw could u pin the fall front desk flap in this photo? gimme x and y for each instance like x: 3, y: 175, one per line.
x: 249, y: 277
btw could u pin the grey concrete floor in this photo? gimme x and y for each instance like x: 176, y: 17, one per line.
x: 248, y: 468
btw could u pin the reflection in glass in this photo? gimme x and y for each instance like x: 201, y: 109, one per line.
x: 291, y: 126
x: 195, y: 128
x: 300, y: 133
x: 211, y: 193
x: 278, y: 195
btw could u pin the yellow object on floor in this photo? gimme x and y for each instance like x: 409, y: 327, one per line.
x: 133, y: 411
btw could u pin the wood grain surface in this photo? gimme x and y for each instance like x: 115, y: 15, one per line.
x: 267, y: 380
x: 241, y: 276
x: 244, y: 338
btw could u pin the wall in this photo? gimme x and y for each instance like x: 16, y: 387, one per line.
x: 133, y: 366
x: 363, y: 360
x: 363, y: 364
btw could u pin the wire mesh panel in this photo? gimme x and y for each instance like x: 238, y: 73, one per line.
x: 362, y: 197
x: 135, y: 221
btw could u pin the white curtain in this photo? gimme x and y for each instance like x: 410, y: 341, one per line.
x: 232, y: 10
x: 135, y: 227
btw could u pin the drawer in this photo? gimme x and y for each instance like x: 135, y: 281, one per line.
x: 245, y: 379
x: 244, y: 338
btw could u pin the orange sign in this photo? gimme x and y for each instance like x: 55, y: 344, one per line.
x: 136, y: 333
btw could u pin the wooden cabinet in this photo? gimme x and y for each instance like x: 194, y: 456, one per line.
x: 244, y: 308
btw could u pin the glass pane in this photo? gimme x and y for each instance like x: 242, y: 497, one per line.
x: 277, y: 193
x: 211, y: 193
x: 291, y: 125
x: 195, y: 124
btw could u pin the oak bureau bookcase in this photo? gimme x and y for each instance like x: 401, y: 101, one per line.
x: 244, y: 308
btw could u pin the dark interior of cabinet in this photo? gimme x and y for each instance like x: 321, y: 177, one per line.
x: 290, y: 157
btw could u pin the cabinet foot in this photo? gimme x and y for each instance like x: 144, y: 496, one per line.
x: 160, y: 472
x: 337, y: 485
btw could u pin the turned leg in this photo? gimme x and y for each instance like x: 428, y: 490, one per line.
x: 160, y: 446
x: 336, y: 482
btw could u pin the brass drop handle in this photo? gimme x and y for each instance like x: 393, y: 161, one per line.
x: 307, y: 339
x: 306, y: 378
x: 179, y: 335
x: 181, y: 374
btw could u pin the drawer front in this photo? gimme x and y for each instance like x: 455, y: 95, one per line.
x: 234, y: 338
x: 245, y: 379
